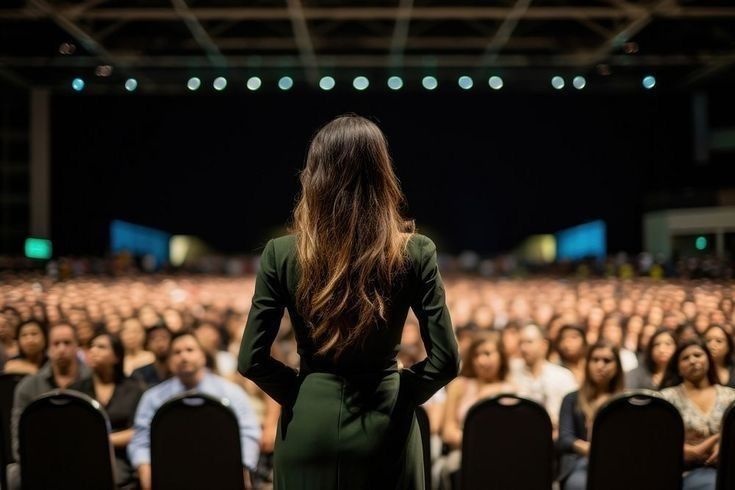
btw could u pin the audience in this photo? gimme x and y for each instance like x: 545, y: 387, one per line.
x: 571, y: 346
x: 722, y: 348
x: 158, y: 342
x: 649, y: 374
x: 132, y: 335
x: 32, y: 343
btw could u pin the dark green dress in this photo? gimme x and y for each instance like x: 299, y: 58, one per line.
x: 349, y: 424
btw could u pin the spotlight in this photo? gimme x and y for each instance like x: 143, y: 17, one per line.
x: 395, y: 83
x: 579, y: 82
x: 219, y: 83
x: 465, y: 82
x: 360, y: 83
x: 285, y: 83
x: 649, y: 82
x: 429, y: 83
x: 77, y: 84
x: 131, y: 84
x: 557, y: 82
x: 254, y: 83
x: 327, y: 83
x: 495, y: 82
x: 193, y: 84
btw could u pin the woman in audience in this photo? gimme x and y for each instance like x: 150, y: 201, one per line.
x: 692, y: 386
x: 604, y: 377
x: 649, y: 374
x: 721, y: 348
x: 571, y: 346
x: 118, y: 395
x: 32, y: 343
x: 484, y: 374
x: 132, y: 335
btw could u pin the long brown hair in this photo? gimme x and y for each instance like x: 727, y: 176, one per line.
x: 588, y: 391
x: 480, y: 338
x: 351, y: 235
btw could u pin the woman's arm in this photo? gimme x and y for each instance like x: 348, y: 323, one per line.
x: 569, y: 441
x: 451, y: 431
x: 255, y: 361
x: 121, y: 438
x: 698, y: 453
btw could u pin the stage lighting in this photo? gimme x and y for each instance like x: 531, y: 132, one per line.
x: 285, y: 83
x: 465, y: 82
x: 360, y: 83
x: 77, y: 84
x: 579, y: 82
x: 193, y: 84
x: 395, y: 83
x: 327, y: 83
x: 649, y: 82
x: 429, y: 83
x: 557, y: 82
x: 700, y: 243
x: 495, y: 82
x: 219, y: 83
x: 254, y: 83
x: 131, y: 84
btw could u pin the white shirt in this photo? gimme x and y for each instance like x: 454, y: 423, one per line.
x: 548, y: 389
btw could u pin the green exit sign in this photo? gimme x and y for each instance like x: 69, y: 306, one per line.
x: 38, y: 248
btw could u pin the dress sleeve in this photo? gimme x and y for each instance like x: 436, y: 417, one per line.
x: 423, y: 379
x: 254, y: 361
x: 567, y: 434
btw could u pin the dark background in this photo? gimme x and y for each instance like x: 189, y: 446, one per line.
x: 480, y: 171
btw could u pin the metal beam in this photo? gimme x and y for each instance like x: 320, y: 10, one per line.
x: 199, y: 33
x: 400, y: 33
x: 303, y: 40
x: 504, y: 32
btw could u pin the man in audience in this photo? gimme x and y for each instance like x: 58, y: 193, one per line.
x: 158, y: 341
x: 187, y: 361
x: 538, y: 379
x: 62, y: 370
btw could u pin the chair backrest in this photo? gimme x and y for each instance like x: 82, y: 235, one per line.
x: 64, y: 442
x: 424, y: 427
x: 8, y: 383
x: 726, y: 466
x: 507, y: 443
x: 637, y: 443
x: 195, y: 444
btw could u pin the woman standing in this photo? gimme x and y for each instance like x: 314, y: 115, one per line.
x: 348, y: 274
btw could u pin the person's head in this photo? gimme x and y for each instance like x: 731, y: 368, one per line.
x: 32, y: 339
x: 612, y: 330
x: 533, y: 344
x: 132, y: 335
x: 186, y: 359
x: 685, y: 332
x: 604, y: 371
x: 105, y: 353
x: 720, y: 345
x: 691, y: 362
x: 209, y: 337
x: 158, y: 341
x: 485, y: 358
x: 659, y: 350
x: 571, y: 343
x: 62, y: 346
x: 511, y: 339
x: 351, y: 236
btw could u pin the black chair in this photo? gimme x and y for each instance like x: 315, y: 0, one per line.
x: 64, y: 443
x: 726, y: 466
x: 507, y: 443
x: 424, y: 427
x: 637, y: 443
x: 195, y: 444
x: 8, y: 382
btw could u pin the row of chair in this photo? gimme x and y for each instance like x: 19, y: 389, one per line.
x: 638, y: 441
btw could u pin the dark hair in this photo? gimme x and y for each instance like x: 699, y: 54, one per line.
x: 468, y: 369
x: 729, y: 357
x: 157, y: 327
x: 209, y: 359
x: 672, y: 376
x: 44, y: 333
x: 63, y: 324
x: 682, y: 328
x: 117, y: 348
x: 570, y: 328
x: 648, y: 355
x: 587, y: 390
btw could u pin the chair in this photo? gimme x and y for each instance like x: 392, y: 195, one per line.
x: 506, y: 444
x: 424, y: 427
x: 64, y: 443
x: 726, y: 466
x: 637, y: 443
x: 8, y: 382
x: 195, y: 444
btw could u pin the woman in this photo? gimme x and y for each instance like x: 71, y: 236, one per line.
x: 604, y: 377
x: 721, y: 346
x: 484, y: 374
x: 571, y: 345
x: 118, y: 395
x: 132, y: 335
x: 650, y: 373
x: 348, y: 275
x: 692, y: 386
x: 32, y: 343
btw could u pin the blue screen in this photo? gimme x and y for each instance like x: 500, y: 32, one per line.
x: 139, y: 240
x: 587, y: 240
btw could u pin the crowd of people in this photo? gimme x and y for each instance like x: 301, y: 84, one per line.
x: 132, y: 341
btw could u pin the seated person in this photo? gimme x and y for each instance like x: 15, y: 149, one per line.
x: 650, y: 372
x: 571, y: 346
x: 721, y: 347
x: 692, y: 386
x: 157, y: 341
x: 32, y: 343
x: 188, y: 364
x: 132, y: 334
x: 603, y: 378
x: 118, y: 395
